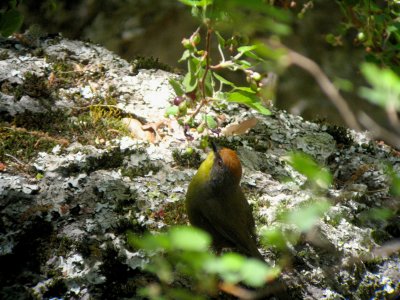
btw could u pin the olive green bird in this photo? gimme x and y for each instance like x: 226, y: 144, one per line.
x: 216, y: 203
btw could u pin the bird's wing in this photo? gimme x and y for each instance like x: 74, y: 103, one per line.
x: 231, y: 225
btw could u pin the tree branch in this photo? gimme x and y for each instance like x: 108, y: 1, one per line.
x: 326, y: 86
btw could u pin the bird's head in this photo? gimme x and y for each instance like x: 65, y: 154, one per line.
x: 221, y: 168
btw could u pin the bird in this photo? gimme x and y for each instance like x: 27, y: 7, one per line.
x: 216, y: 203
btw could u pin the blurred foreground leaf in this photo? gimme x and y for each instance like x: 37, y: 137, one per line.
x: 189, y: 238
x: 305, y: 217
x: 385, y: 83
x: 10, y: 21
x: 305, y: 165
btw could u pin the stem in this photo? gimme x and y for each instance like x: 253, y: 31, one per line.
x: 326, y: 86
x: 207, y: 68
x: 207, y: 56
x: 221, y: 52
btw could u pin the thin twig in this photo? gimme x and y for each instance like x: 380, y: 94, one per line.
x: 326, y: 86
x: 14, y: 158
x: 378, y: 131
x: 207, y: 56
x: 203, y: 79
x: 237, y: 291
x: 221, y: 53
x: 393, y: 118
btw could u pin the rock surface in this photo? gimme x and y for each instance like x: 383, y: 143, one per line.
x: 62, y: 226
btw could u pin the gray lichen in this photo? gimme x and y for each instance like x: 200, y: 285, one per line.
x: 77, y: 212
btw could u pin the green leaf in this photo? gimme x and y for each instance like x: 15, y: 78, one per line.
x: 190, y: 80
x: 274, y: 237
x: 10, y: 22
x: 189, y: 238
x: 39, y: 176
x: 385, y: 84
x: 185, y: 55
x: 245, y: 89
x: 276, y: 27
x: 228, y: 266
x: 221, y: 40
x: 242, y: 97
x: 245, y: 49
x: 233, y: 268
x: 255, y: 272
x: 172, y: 111
x: 209, y: 83
x: 12, y: 3
x: 149, y: 242
x: 395, y: 185
x: 210, y: 121
x: 162, y: 268
x: 249, y: 99
x: 268, y: 52
x: 176, y: 86
x: 223, y: 80
x: 253, y: 56
x: 232, y: 261
x: 244, y: 63
x: 380, y: 214
x: 258, y: 106
x: 305, y: 165
x: 308, y: 215
x: 197, y: 3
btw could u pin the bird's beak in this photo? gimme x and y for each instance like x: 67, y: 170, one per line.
x: 214, y: 147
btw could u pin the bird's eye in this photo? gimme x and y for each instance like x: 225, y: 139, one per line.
x: 220, y: 162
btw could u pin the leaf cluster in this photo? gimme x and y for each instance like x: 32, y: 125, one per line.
x: 184, y: 251
x: 10, y: 18
x: 204, y: 84
x: 377, y: 24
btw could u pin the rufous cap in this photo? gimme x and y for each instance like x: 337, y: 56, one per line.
x: 232, y: 162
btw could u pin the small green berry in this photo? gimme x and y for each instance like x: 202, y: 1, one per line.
x: 189, y: 150
x: 195, y: 39
x: 256, y: 76
x: 187, y: 44
x: 200, y: 128
x: 361, y: 36
x: 183, y: 108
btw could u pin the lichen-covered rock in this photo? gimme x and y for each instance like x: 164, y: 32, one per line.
x: 63, y: 223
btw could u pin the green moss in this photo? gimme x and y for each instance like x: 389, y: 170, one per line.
x: 334, y: 218
x: 143, y: 169
x: 104, y: 107
x: 341, y: 135
x: 140, y: 62
x: 4, y: 55
x: 126, y: 200
x: 22, y: 144
x: 52, y: 122
x: 230, y: 143
x: 174, y: 213
x: 64, y: 72
x: 36, y: 86
x: 31, y: 133
x: 129, y: 224
x: 38, y: 52
x: 259, y: 144
x: 187, y: 158
x: 380, y: 236
x: 90, y: 247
